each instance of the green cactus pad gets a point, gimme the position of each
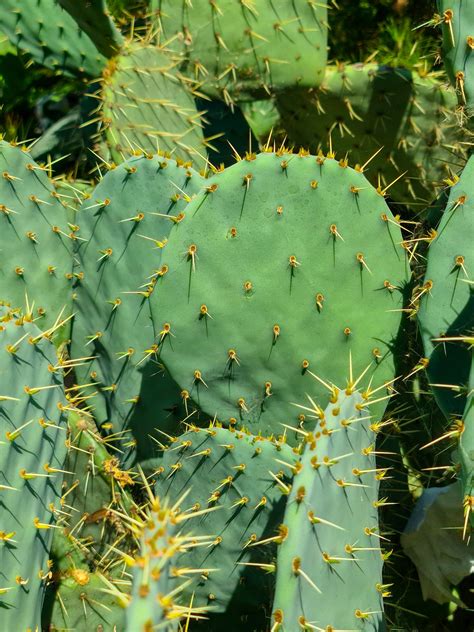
(51, 36)
(238, 49)
(458, 48)
(245, 478)
(83, 600)
(35, 239)
(32, 452)
(283, 265)
(95, 485)
(148, 106)
(125, 224)
(329, 564)
(156, 600)
(367, 108)
(94, 19)
(446, 298)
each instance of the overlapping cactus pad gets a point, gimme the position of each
(402, 121)
(236, 315)
(125, 223)
(283, 265)
(51, 36)
(148, 106)
(242, 48)
(35, 239)
(457, 18)
(446, 298)
(32, 453)
(242, 479)
(329, 559)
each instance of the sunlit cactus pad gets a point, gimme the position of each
(283, 265)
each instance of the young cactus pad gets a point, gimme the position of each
(32, 453)
(458, 48)
(35, 239)
(446, 298)
(245, 479)
(329, 564)
(148, 106)
(51, 36)
(282, 265)
(249, 47)
(159, 579)
(403, 117)
(125, 224)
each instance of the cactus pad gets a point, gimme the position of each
(35, 239)
(244, 478)
(329, 565)
(94, 19)
(51, 36)
(283, 265)
(446, 298)
(458, 49)
(250, 47)
(365, 109)
(125, 223)
(32, 453)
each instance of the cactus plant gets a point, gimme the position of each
(203, 311)
(32, 451)
(247, 48)
(457, 19)
(35, 240)
(445, 299)
(275, 255)
(125, 224)
(405, 116)
(329, 565)
(51, 36)
(148, 106)
(244, 478)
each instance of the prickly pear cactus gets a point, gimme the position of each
(263, 118)
(148, 106)
(244, 478)
(403, 121)
(95, 485)
(156, 600)
(32, 452)
(51, 36)
(35, 240)
(125, 224)
(458, 48)
(446, 298)
(83, 599)
(329, 565)
(283, 264)
(93, 18)
(245, 48)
